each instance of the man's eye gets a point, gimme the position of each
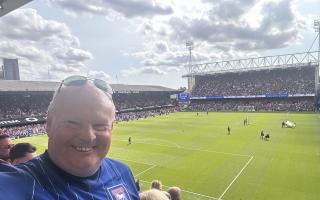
(73, 124)
(100, 127)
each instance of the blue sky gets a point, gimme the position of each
(143, 41)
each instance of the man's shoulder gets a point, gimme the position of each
(8, 168)
(115, 163)
(117, 167)
(32, 165)
(19, 173)
(13, 177)
(21, 168)
(3, 161)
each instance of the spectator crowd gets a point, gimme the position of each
(24, 131)
(129, 116)
(289, 81)
(275, 81)
(21, 105)
(29, 130)
(141, 99)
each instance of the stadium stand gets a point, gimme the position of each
(141, 99)
(24, 104)
(36, 125)
(31, 98)
(281, 89)
(276, 81)
(136, 115)
(24, 131)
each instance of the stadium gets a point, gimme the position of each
(206, 140)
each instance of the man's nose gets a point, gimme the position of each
(87, 133)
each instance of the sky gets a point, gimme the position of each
(143, 42)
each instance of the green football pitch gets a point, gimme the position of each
(195, 153)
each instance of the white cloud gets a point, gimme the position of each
(41, 45)
(99, 75)
(220, 29)
(64, 68)
(135, 8)
(15, 49)
(143, 70)
(152, 70)
(224, 29)
(312, 1)
(174, 69)
(161, 47)
(28, 25)
(72, 55)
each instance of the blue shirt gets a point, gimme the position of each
(41, 179)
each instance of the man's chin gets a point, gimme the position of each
(87, 167)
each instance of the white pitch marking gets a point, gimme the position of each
(145, 170)
(235, 178)
(133, 161)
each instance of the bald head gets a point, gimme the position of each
(79, 127)
(82, 96)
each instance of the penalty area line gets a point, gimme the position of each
(146, 170)
(235, 178)
(132, 161)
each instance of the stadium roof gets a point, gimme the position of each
(49, 86)
(7, 6)
(258, 63)
(140, 88)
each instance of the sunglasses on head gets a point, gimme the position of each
(81, 80)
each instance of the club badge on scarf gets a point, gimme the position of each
(119, 192)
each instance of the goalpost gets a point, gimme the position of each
(246, 108)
